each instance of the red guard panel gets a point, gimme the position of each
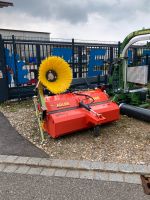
(64, 116)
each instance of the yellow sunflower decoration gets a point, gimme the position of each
(55, 74)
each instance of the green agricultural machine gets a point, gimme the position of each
(129, 84)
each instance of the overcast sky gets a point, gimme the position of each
(104, 20)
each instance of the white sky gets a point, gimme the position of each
(104, 20)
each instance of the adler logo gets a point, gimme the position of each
(63, 104)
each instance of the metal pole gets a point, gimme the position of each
(38, 55)
(3, 73)
(74, 75)
(119, 45)
(15, 60)
(80, 60)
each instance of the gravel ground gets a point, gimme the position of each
(125, 141)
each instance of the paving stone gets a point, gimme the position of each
(60, 172)
(132, 178)
(2, 166)
(33, 161)
(57, 163)
(125, 167)
(86, 174)
(22, 169)
(45, 162)
(70, 163)
(10, 168)
(21, 160)
(72, 174)
(97, 165)
(3, 157)
(117, 177)
(48, 172)
(141, 169)
(85, 164)
(101, 176)
(10, 159)
(35, 170)
(111, 166)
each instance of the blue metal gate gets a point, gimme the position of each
(20, 59)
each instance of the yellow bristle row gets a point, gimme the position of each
(63, 71)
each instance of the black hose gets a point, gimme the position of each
(135, 112)
(85, 95)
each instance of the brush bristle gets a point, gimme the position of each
(63, 71)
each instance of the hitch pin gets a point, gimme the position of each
(95, 113)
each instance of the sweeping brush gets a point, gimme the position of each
(55, 74)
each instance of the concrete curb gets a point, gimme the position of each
(118, 172)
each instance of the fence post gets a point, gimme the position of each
(3, 73)
(38, 57)
(135, 57)
(73, 66)
(111, 55)
(80, 60)
(119, 45)
(38, 54)
(15, 60)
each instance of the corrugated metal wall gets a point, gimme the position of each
(24, 34)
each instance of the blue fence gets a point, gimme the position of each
(20, 60)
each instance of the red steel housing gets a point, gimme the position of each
(64, 115)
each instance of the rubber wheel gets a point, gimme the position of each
(96, 131)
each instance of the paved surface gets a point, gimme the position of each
(11, 143)
(29, 187)
(41, 178)
(74, 168)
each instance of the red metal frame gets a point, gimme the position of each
(64, 115)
